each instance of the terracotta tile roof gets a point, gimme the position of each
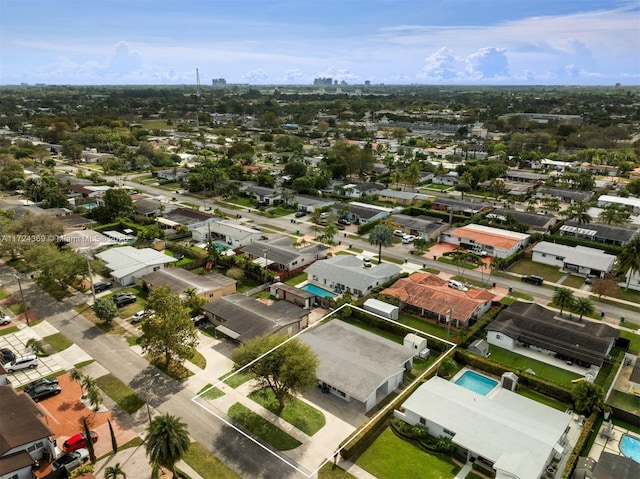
(488, 237)
(429, 292)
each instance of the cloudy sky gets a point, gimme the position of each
(582, 42)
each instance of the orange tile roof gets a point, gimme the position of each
(485, 237)
(431, 293)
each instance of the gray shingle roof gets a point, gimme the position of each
(530, 219)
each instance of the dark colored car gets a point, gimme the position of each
(300, 214)
(44, 391)
(78, 441)
(533, 279)
(71, 461)
(6, 355)
(344, 221)
(40, 382)
(124, 300)
(101, 286)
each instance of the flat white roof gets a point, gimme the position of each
(496, 231)
(516, 433)
(635, 202)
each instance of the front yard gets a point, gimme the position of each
(390, 457)
(525, 267)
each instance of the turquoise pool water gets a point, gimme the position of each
(313, 289)
(630, 447)
(476, 382)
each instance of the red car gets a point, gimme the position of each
(78, 441)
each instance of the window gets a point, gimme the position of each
(449, 433)
(423, 421)
(498, 336)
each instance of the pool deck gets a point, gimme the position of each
(609, 442)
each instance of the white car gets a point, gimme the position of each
(398, 233)
(138, 316)
(406, 239)
(5, 320)
(23, 362)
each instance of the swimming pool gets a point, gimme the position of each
(313, 289)
(630, 447)
(476, 382)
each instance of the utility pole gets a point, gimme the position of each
(449, 313)
(24, 305)
(93, 289)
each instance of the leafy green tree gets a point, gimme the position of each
(587, 398)
(447, 367)
(578, 212)
(286, 368)
(583, 306)
(329, 233)
(614, 214)
(420, 245)
(167, 442)
(604, 287)
(169, 332)
(117, 203)
(563, 298)
(380, 236)
(105, 309)
(629, 259)
(412, 174)
(56, 269)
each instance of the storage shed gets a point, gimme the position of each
(381, 308)
(415, 342)
(480, 346)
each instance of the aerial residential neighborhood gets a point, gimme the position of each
(328, 277)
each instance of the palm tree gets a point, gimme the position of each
(76, 376)
(167, 441)
(329, 233)
(114, 472)
(578, 212)
(412, 174)
(563, 298)
(587, 397)
(613, 214)
(629, 259)
(380, 236)
(583, 306)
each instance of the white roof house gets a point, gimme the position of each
(580, 259)
(346, 273)
(606, 200)
(517, 435)
(87, 240)
(233, 234)
(127, 263)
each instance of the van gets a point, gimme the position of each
(533, 279)
(457, 285)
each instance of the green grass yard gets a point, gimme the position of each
(521, 363)
(207, 465)
(525, 267)
(237, 379)
(58, 341)
(390, 457)
(624, 401)
(122, 394)
(209, 392)
(296, 412)
(262, 428)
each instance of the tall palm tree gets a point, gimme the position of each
(380, 236)
(114, 472)
(587, 397)
(629, 259)
(167, 441)
(412, 174)
(583, 306)
(563, 298)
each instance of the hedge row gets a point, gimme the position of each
(472, 332)
(571, 241)
(580, 445)
(531, 381)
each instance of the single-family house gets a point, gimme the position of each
(187, 217)
(459, 207)
(477, 238)
(267, 196)
(632, 280)
(347, 274)
(631, 202)
(75, 221)
(294, 295)
(600, 233)
(511, 434)
(173, 174)
(127, 263)
(523, 176)
(608, 466)
(282, 255)
(240, 318)
(575, 259)
(309, 204)
(450, 179)
(180, 281)
(428, 295)
(358, 190)
(232, 233)
(88, 191)
(529, 325)
(535, 222)
(86, 241)
(563, 194)
(427, 227)
(24, 437)
(356, 365)
(148, 207)
(361, 213)
(405, 198)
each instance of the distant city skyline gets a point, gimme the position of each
(440, 42)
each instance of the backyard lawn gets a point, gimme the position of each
(428, 327)
(634, 347)
(390, 457)
(297, 279)
(525, 266)
(296, 412)
(521, 363)
(625, 401)
(546, 400)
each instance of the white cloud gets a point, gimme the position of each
(440, 65)
(488, 63)
(257, 75)
(123, 60)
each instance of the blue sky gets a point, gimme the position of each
(581, 42)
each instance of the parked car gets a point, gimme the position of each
(344, 221)
(124, 300)
(406, 239)
(78, 441)
(300, 214)
(5, 320)
(71, 461)
(23, 362)
(101, 286)
(43, 391)
(366, 262)
(457, 285)
(398, 233)
(118, 296)
(40, 382)
(136, 318)
(533, 279)
(6, 355)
